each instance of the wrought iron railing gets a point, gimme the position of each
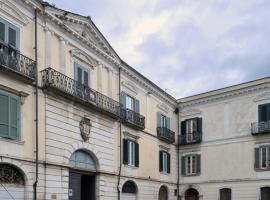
(190, 138)
(57, 80)
(133, 118)
(11, 59)
(165, 134)
(260, 127)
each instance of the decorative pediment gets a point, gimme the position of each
(190, 112)
(83, 57)
(12, 11)
(130, 86)
(163, 107)
(264, 96)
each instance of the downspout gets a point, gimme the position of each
(36, 150)
(178, 155)
(120, 137)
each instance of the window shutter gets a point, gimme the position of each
(263, 113)
(168, 121)
(257, 158)
(199, 125)
(79, 74)
(268, 161)
(123, 99)
(14, 118)
(160, 161)
(198, 162)
(168, 163)
(183, 128)
(4, 115)
(183, 165)
(2, 32)
(12, 37)
(136, 154)
(137, 106)
(125, 151)
(86, 78)
(158, 119)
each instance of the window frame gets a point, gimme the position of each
(77, 65)
(225, 189)
(131, 100)
(17, 30)
(131, 153)
(189, 162)
(267, 163)
(163, 120)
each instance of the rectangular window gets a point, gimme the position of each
(163, 121)
(191, 129)
(225, 194)
(9, 33)
(9, 115)
(191, 165)
(164, 162)
(81, 74)
(264, 155)
(264, 112)
(131, 153)
(130, 103)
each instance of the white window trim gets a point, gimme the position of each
(267, 156)
(165, 162)
(85, 68)
(131, 153)
(191, 165)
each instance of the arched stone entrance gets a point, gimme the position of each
(82, 176)
(265, 193)
(129, 191)
(12, 183)
(192, 194)
(163, 193)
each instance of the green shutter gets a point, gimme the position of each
(183, 165)
(4, 115)
(158, 119)
(2, 31)
(123, 98)
(86, 78)
(14, 118)
(168, 122)
(183, 128)
(168, 163)
(264, 114)
(257, 158)
(198, 162)
(137, 154)
(137, 106)
(125, 151)
(160, 161)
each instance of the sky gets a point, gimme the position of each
(186, 47)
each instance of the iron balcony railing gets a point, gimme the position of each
(190, 138)
(12, 60)
(260, 128)
(165, 135)
(54, 79)
(132, 118)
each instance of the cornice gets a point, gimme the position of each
(226, 95)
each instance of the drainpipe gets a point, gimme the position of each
(120, 138)
(178, 154)
(36, 150)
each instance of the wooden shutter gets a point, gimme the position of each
(137, 106)
(183, 165)
(168, 121)
(198, 163)
(183, 128)
(158, 119)
(86, 78)
(160, 161)
(12, 37)
(123, 99)
(14, 118)
(199, 125)
(257, 158)
(2, 31)
(125, 151)
(4, 115)
(137, 154)
(168, 163)
(263, 113)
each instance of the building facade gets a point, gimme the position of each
(77, 122)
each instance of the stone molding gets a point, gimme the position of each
(190, 112)
(262, 97)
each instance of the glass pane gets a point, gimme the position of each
(2, 31)
(264, 157)
(86, 78)
(12, 37)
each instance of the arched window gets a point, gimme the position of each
(163, 193)
(129, 187)
(10, 175)
(192, 194)
(83, 160)
(265, 193)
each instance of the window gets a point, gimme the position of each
(265, 193)
(191, 130)
(9, 34)
(163, 121)
(129, 187)
(225, 194)
(130, 103)
(83, 160)
(10, 116)
(264, 112)
(191, 165)
(81, 74)
(131, 153)
(262, 157)
(164, 162)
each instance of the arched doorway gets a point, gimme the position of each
(11, 182)
(265, 193)
(192, 194)
(82, 176)
(129, 191)
(163, 193)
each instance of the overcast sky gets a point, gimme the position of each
(185, 46)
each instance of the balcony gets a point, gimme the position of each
(190, 138)
(133, 119)
(165, 135)
(258, 128)
(55, 81)
(14, 63)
